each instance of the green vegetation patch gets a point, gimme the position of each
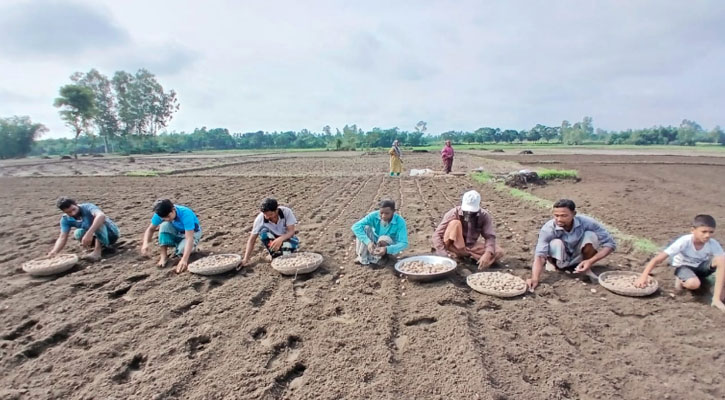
(144, 172)
(549, 174)
(482, 177)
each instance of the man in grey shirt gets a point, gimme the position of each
(570, 241)
(275, 226)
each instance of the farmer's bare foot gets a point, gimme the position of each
(92, 257)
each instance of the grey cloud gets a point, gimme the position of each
(9, 96)
(56, 28)
(166, 59)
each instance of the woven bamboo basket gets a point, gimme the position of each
(486, 288)
(605, 279)
(308, 262)
(45, 266)
(216, 264)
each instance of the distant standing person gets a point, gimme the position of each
(396, 160)
(447, 156)
(178, 228)
(276, 227)
(93, 228)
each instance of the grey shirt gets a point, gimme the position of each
(571, 239)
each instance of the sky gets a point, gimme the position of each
(458, 65)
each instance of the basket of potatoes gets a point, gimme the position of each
(216, 264)
(45, 266)
(297, 263)
(622, 282)
(498, 284)
(425, 268)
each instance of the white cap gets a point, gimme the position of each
(471, 201)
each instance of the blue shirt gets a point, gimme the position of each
(396, 229)
(87, 213)
(571, 239)
(185, 219)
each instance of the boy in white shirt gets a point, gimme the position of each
(694, 256)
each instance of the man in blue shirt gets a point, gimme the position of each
(570, 241)
(380, 233)
(178, 228)
(92, 227)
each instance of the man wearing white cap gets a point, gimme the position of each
(457, 234)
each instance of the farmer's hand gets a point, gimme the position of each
(532, 284)
(371, 248)
(641, 282)
(380, 251)
(145, 249)
(87, 239)
(52, 253)
(583, 266)
(485, 261)
(276, 244)
(181, 266)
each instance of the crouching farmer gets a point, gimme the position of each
(92, 227)
(380, 233)
(178, 228)
(276, 227)
(458, 232)
(694, 257)
(570, 241)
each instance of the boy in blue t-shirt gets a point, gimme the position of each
(178, 228)
(92, 227)
(694, 257)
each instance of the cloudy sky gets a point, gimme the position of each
(459, 65)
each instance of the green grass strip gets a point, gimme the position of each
(548, 174)
(482, 177)
(142, 172)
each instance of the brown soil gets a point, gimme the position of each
(654, 197)
(122, 328)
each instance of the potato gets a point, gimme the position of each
(422, 268)
(213, 261)
(50, 261)
(627, 281)
(498, 281)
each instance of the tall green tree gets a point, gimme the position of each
(687, 132)
(421, 127)
(106, 119)
(17, 135)
(78, 108)
(718, 135)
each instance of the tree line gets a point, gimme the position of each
(128, 113)
(351, 137)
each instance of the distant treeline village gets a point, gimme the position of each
(129, 113)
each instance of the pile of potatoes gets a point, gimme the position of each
(213, 261)
(498, 281)
(49, 262)
(295, 261)
(627, 281)
(421, 268)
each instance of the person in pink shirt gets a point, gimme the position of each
(447, 156)
(457, 234)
